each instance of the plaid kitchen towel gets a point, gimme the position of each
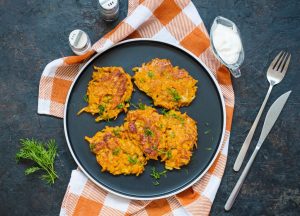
(174, 21)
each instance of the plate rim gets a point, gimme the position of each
(219, 145)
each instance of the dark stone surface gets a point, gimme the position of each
(34, 32)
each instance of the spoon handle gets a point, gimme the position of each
(240, 158)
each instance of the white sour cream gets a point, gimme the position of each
(227, 43)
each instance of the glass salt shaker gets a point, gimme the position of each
(227, 45)
(109, 9)
(79, 41)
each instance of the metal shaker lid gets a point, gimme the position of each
(78, 39)
(108, 4)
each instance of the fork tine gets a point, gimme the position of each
(279, 62)
(282, 63)
(275, 60)
(286, 65)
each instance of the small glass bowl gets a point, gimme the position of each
(234, 68)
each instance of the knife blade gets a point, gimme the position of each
(270, 120)
(272, 116)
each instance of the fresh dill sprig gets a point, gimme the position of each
(43, 154)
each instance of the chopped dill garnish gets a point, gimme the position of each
(169, 154)
(120, 106)
(141, 106)
(132, 160)
(186, 171)
(154, 148)
(132, 104)
(92, 146)
(207, 131)
(116, 151)
(148, 132)
(127, 100)
(161, 151)
(174, 93)
(101, 109)
(86, 98)
(163, 173)
(164, 112)
(176, 117)
(116, 132)
(155, 183)
(150, 74)
(156, 175)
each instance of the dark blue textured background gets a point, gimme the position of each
(34, 32)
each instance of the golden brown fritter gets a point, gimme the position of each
(108, 92)
(116, 153)
(143, 125)
(169, 87)
(180, 137)
(145, 135)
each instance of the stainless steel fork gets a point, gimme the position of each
(275, 74)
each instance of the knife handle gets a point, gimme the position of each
(240, 182)
(240, 158)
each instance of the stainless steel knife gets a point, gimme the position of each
(270, 120)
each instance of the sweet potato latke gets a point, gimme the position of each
(145, 135)
(116, 153)
(108, 92)
(169, 87)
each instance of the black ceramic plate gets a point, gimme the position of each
(207, 109)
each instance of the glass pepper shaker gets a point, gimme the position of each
(109, 9)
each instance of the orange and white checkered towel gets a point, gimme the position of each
(175, 21)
